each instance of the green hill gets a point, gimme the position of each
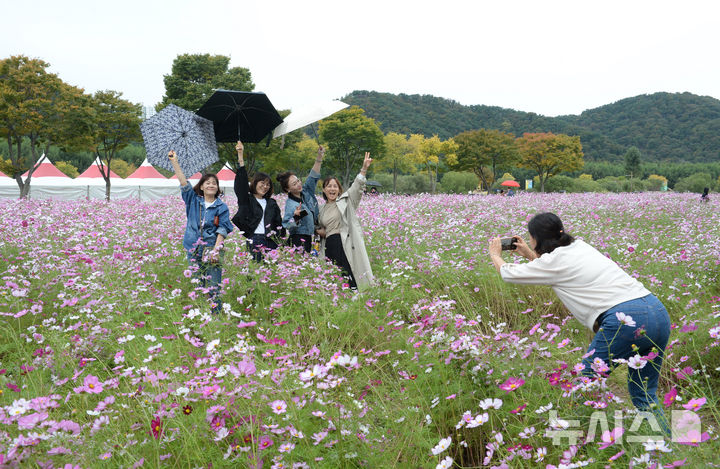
(677, 127)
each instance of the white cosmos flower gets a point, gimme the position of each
(486, 404)
(636, 362)
(625, 319)
(442, 445)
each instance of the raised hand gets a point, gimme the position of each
(366, 162)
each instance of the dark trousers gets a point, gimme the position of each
(210, 276)
(258, 245)
(335, 252)
(297, 240)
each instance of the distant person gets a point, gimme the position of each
(705, 197)
(502, 192)
(629, 322)
(510, 193)
(258, 216)
(301, 209)
(208, 224)
(340, 229)
(374, 191)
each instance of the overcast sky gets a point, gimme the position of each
(548, 57)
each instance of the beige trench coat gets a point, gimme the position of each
(351, 233)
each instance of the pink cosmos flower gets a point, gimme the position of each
(610, 437)
(91, 385)
(26, 422)
(695, 404)
(511, 384)
(278, 406)
(286, 447)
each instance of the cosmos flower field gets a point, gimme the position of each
(110, 356)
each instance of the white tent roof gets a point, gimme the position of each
(146, 175)
(92, 176)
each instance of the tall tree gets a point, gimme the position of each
(116, 125)
(194, 76)
(482, 150)
(632, 162)
(39, 108)
(549, 154)
(349, 134)
(191, 82)
(429, 154)
(397, 156)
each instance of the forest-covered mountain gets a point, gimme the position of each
(673, 127)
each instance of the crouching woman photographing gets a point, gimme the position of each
(629, 322)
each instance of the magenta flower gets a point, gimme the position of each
(670, 397)
(512, 384)
(265, 442)
(156, 427)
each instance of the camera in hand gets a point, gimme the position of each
(508, 244)
(303, 213)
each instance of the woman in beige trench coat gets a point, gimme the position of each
(339, 227)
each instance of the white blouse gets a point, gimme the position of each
(587, 282)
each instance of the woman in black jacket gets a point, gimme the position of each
(258, 216)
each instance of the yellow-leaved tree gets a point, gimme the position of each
(549, 154)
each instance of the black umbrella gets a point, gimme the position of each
(240, 115)
(190, 135)
(373, 184)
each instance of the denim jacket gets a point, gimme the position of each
(306, 225)
(198, 216)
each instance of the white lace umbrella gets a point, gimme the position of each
(307, 115)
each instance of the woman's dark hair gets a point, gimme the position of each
(327, 181)
(261, 177)
(284, 179)
(205, 177)
(548, 232)
(706, 190)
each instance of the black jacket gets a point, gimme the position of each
(250, 212)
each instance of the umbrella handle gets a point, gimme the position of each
(317, 139)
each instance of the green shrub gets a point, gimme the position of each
(694, 183)
(454, 182)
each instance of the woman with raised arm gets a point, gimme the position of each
(339, 227)
(301, 209)
(208, 224)
(258, 216)
(631, 325)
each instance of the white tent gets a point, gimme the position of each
(146, 183)
(46, 182)
(49, 182)
(94, 183)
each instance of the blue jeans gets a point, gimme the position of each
(259, 244)
(210, 276)
(615, 340)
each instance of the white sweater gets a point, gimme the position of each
(587, 282)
